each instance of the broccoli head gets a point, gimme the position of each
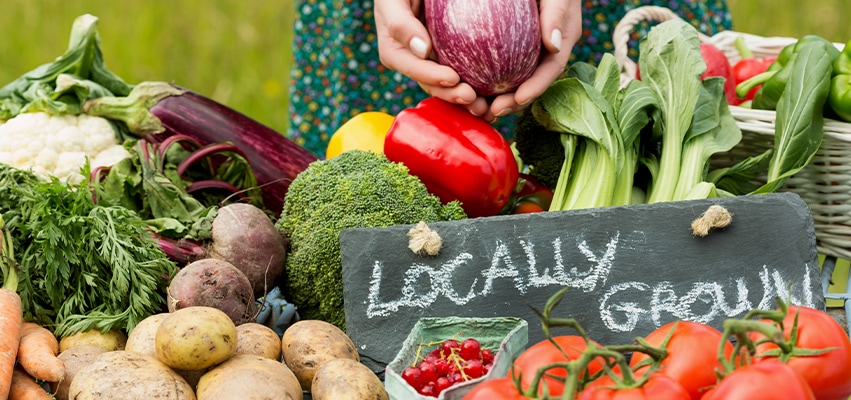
(356, 189)
(539, 149)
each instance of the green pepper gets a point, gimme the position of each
(774, 79)
(839, 98)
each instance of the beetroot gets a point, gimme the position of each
(493, 45)
(245, 236)
(213, 283)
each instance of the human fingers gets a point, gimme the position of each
(561, 26)
(459, 94)
(404, 44)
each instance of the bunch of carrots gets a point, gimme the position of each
(28, 351)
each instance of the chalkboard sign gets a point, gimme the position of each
(629, 269)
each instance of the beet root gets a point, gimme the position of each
(246, 237)
(213, 283)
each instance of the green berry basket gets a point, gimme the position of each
(505, 336)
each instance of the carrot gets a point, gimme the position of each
(11, 313)
(24, 387)
(37, 353)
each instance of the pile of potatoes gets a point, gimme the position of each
(199, 353)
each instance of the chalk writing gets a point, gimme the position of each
(621, 305)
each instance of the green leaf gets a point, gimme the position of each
(713, 130)
(671, 64)
(799, 125)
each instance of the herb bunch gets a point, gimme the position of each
(82, 265)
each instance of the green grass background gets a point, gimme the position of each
(238, 51)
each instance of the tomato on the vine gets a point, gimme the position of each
(657, 386)
(692, 354)
(769, 379)
(495, 389)
(829, 373)
(545, 353)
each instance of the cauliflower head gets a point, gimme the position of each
(58, 145)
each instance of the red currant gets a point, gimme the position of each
(487, 356)
(428, 390)
(473, 369)
(412, 376)
(449, 346)
(471, 349)
(442, 384)
(428, 373)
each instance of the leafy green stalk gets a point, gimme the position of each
(713, 130)
(799, 127)
(37, 90)
(633, 109)
(571, 106)
(671, 64)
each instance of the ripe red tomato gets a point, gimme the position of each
(658, 386)
(692, 354)
(545, 353)
(828, 374)
(495, 389)
(763, 380)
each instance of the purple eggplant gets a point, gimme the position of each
(493, 45)
(157, 110)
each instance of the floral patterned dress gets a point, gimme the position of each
(336, 72)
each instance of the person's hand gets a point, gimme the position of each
(404, 45)
(561, 26)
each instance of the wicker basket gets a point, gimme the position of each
(825, 185)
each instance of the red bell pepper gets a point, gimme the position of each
(457, 155)
(749, 66)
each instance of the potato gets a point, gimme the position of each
(111, 340)
(128, 375)
(249, 377)
(259, 339)
(74, 359)
(195, 338)
(142, 339)
(346, 379)
(309, 343)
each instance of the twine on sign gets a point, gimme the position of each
(423, 240)
(714, 217)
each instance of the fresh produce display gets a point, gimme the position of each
(494, 47)
(143, 225)
(458, 156)
(357, 189)
(447, 363)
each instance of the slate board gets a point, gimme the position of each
(629, 269)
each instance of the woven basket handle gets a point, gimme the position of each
(620, 37)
